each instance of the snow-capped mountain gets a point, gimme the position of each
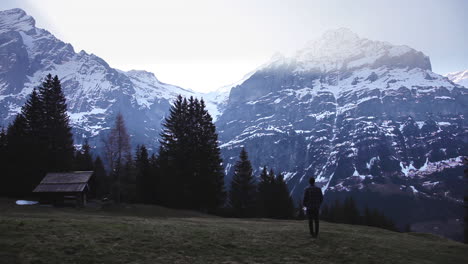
(460, 77)
(364, 117)
(95, 91)
(361, 116)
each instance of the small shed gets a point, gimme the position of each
(58, 187)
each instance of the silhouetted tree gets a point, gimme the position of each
(173, 153)
(265, 194)
(189, 162)
(155, 181)
(83, 158)
(102, 183)
(143, 175)
(4, 177)
(348, 213)
(27, 145)
(129, 181)
(243, 189)
(324, 213)
(19, 179)
(284, 203)
(117, 150)
(59, 139)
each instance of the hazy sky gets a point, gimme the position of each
(205, 44)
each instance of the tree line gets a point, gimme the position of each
(268, 198)
(347, 212)
(186, 172)
(38, 140)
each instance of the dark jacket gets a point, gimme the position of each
(313, 197)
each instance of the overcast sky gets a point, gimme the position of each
(205, 44)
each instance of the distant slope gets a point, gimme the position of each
(460, 77)
(80, 237)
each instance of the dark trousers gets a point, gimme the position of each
(313, 215)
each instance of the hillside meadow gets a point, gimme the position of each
(152, 234)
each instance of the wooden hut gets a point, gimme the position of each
(59, 187)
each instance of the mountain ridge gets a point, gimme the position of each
(95, 91)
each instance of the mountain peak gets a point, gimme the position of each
(342, 49)
(340, 34)
(142, 74)
(16, 20)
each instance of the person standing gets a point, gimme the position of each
(313, 198)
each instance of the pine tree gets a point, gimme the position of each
(243, 189)
(209, 187)
(128, 181)
(33, 112)
(155, 181)
(117, 150)
(143, 174)
(350, 211)
(17, 173)
(4, 177)
(265, 196)
(173, 155)
(40, 137)
(83, 158)
(58, 136)
(336, 212)
(367, 218)
(284, 202)
(27, 137)
(87, 158)
(189, 161)
(101, 181)
(325, 213)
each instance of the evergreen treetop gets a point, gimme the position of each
(242, 196)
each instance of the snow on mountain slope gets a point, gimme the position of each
(219, 98)
(95, 92)
(460, 77)
(362, 116)
(342, 49)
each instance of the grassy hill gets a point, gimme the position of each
(151, 234)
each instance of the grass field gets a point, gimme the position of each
(151, 234)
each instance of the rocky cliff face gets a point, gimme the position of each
(95, 92)
(363, 117)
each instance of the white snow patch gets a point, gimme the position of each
(407, 170)
(289, 175)
(25, 202)
(414, 189)
(324, 188)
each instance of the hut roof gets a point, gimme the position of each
(74, 181)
